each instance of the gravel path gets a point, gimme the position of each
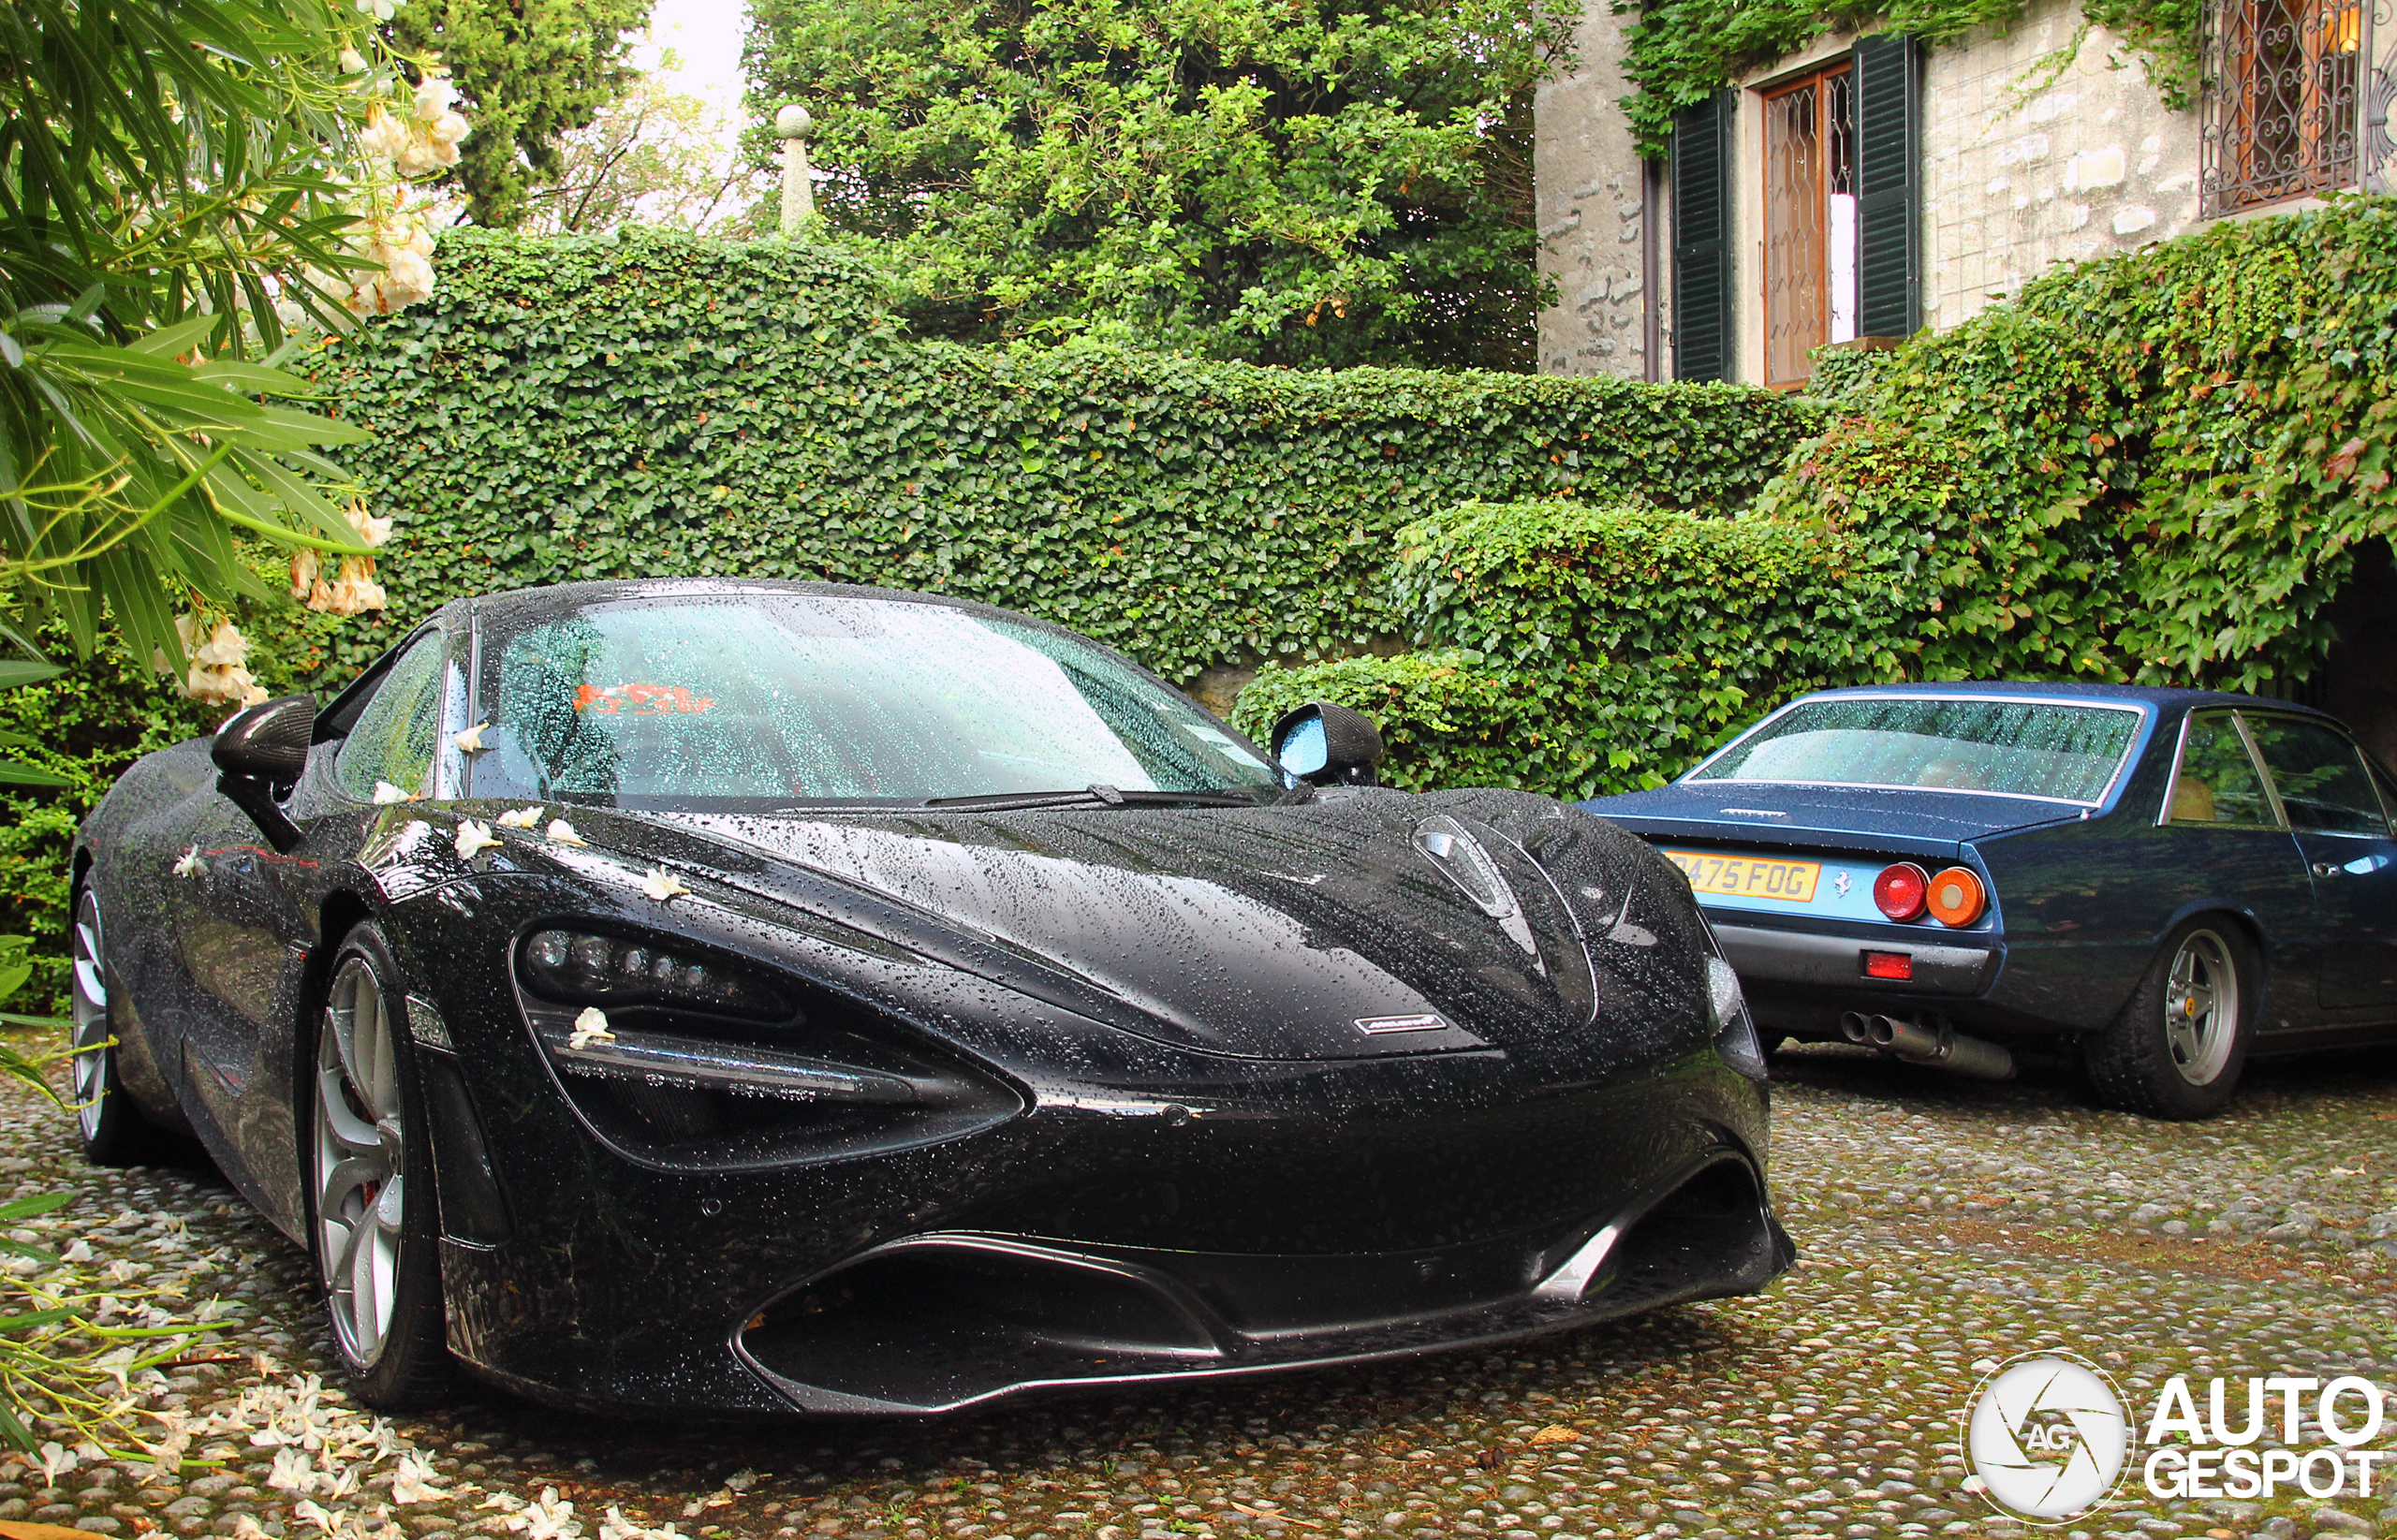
(1943, 1225)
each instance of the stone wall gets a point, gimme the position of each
(1588, 205)
(2033, 157)
(2034, 152)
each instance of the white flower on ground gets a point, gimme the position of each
(314, 1515)
(188, 864)
(293, 1471)
(589, 1028)
(563, 833)
(663, 885)
(56, 1460)
(471, 740)
(617, 1527)
(413, 1481)
(79, 1252)
(387, 794)
(474, 835)
(524, 817)
(546, 1518)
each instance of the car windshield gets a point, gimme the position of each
(2013, 748)
(748, 701)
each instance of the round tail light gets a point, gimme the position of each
(1900, 891)
(1957, 897)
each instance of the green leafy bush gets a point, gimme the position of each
(581, 407)
(1588, 649)
(2154, 468)
(1449, 717)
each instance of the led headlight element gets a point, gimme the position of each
(585, 967)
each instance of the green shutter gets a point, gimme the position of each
(1701, 171)
(1888, 186)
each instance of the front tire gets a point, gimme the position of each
(373, 1223)
(2178, 1048)
(113, 1131)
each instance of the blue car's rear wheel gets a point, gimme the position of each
(370, 1195)
(2179, 1047)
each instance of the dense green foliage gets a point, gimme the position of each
(599, 407)
(531, 72)
(1333, 182)
(1683, 52)
(168, 172)
(2154, 467)
(1585, 648)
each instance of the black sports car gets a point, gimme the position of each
(2157, 882)
(739, 996)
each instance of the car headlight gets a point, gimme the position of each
(1726, 1013)
(586, 968)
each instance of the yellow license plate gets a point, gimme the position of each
(1749, 876)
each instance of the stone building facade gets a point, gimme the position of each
(2017, 148)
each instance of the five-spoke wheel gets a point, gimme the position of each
(113, 1130)
(2177, 1049)
(374, 1230)
(361, 1159)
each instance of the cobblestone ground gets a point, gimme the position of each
(1943, 1225)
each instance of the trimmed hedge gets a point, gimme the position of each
(1587, 649)
(580, 407)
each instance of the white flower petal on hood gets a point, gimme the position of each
(563, 832)
(474, 835)
(589, 1028)
(387, 794)
(524, 817)
(662, 884)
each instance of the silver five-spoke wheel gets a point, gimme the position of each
(360, 1159)
(2200, 1007)
(90, 1006)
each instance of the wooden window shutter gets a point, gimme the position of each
(1888, 186)
(1701, 171)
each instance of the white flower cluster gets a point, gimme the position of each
(402, 141)
(216, 654)
(353, 589)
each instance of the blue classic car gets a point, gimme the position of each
(2160, 883)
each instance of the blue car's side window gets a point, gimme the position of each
(2217, 780)
(2319, 775)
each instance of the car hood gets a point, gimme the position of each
(1304, 932)
(1914, 822)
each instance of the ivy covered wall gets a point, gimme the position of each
(604, 407)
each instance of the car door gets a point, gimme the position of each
(246, 947)
(2327, 796)
(2224, 841)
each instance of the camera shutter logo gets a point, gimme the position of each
(2047, 1436)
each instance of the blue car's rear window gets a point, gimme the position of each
(2014, 748)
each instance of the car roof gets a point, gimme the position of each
(2164, 699)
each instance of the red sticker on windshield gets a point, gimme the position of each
(639, 700)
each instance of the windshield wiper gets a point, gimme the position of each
(1102, 796)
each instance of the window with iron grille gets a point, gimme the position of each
(2281, 105)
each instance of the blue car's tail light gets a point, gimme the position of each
(1901, 890)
